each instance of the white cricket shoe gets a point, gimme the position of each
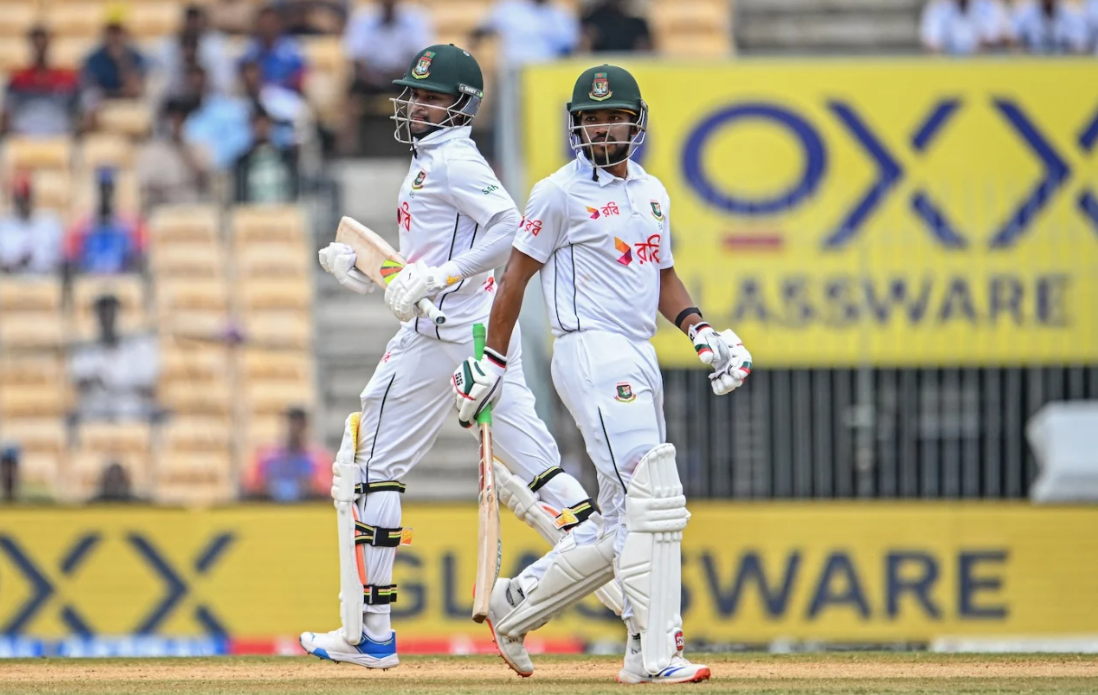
(369, 653)
(680, 670)
(511, 649)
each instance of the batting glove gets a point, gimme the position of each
(339, 260)
(724, 352)
(477, 384)
(408, 287)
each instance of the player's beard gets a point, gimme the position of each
(606, 155)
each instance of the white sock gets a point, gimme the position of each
(378, 627)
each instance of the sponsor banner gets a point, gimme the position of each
(215, 580)
(902, 212)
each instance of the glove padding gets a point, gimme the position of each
(339, 260)
(725, 353)
(477, 384)
(413, 283)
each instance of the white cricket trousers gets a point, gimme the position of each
(613, 387)
(404, 405)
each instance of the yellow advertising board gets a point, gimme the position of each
(752, 572)
(907, 212)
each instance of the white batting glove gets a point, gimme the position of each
(477, 383)
(408, 287)
(339, 260)
(724, 352)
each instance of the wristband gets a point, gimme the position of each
(684, 314)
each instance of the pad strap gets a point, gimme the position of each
(543, 478)
(571, 517)
(375, 595)
(380, 486)
(377, 536)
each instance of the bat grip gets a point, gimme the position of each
(432, 312)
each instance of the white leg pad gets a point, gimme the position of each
(352, 567)
(650, 564)
(528, 508)
(576, 571)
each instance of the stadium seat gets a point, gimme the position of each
(129, 117)
(21, 152)
(29, 295)
(129, 289)
(153, 19)
(196, 434)
(14, 54)
(33, 401)
(275, 365)
(187, 261)
(695, 45)
(106, 150)
(195, 478)
(280, 331)
(53, 190)
(32, 332)
(193, 307)
(113, 437)
(267, 224)
(690, 16)
(19, 17)
(458, 17)
(193, 361)
(85, 19)
(196, 397)
(265, 398)
(127, 193)
(185, 223)
(288, 263)
(266, 294)
(85, 469)
(71, 51)
(30, 370)
(43, 443)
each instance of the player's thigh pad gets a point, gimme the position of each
(575, 569)
(650, 563)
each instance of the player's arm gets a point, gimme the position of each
(724, 351)
(508, 302)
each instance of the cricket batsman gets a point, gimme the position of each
(456, 226)
(599, 230)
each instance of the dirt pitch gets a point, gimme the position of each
(732, 673)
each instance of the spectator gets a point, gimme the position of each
(41, 99)
(218, 124)
(1051, 27)
(530, 31)
(381, 40)
(607, 28)
(114, 485)
(279, 56)
(266, 173)
(9, 472)
(115, 376)
(294, 471)
(964, 27)
(107, 243)
(116, 70)
(289, 112)
(170, 170)
(1092, 23)
(196, 44)
(30, 240)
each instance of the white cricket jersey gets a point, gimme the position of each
(450, 193)
(603, 241)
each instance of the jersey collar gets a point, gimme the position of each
(605, 178)
(445, 135)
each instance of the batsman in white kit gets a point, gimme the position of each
(599, 231)
(456, 225)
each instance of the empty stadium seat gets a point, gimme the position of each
(459, 17)
(276, 397)
(14, 54)
(193, 361)
(30, 314)
(21, 152)
(114, 437)
(193, 307)
(275, 365)
(187, 261)
(197, 224)
(53, 190)
(695, 45)
(29, 295)
(85, 19)
(18, 18)
(153, 19)
(31, 370)
(71, 51)
(288, 263)
(23, 332)
(129, 117)
(270, 294)
(106, 150)
(42, 446)
(267, 224)
(195, 478)
(197, 434)
(129, 289)
(196, 397)
(275, 330)
(689, 16)
(21, 401)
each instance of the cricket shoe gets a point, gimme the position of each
(679, 671)
(511, 649)
(369, 653)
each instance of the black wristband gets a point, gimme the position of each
(684, 313)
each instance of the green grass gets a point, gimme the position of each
(793, 674)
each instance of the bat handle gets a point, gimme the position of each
(433, 312)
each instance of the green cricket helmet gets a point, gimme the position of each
(605, 88)
(445, 69)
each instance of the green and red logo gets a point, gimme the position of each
(418, 182)
(625, 393)
(423, 67)
(600, 87)
(657, 211)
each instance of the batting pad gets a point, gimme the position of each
(517, 497)
(650, 564)
(352, 566)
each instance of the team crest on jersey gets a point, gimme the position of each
(389, 270)
(423, 67)
(600, 87)
(625, 393)
(657, 211)
(417, 184)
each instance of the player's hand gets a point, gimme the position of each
(442, 277)
(477, 383)
(408, 287)
(725, 353)
(339, 260)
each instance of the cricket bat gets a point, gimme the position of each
(379, 261)
(489, 539)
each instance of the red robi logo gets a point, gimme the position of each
(680, 644)
(404, 218)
